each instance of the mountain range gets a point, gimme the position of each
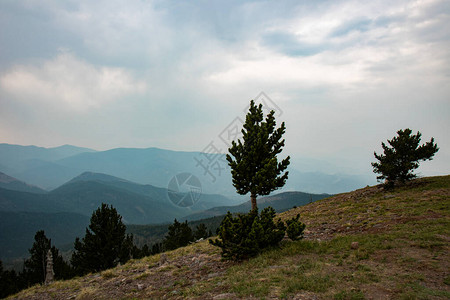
(137, 204)
(48, 168)
(57, 189)
(64, 212)
(12, 183)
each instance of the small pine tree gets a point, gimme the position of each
(105, 243)
(179, 235)
(402, 157)
(145, 251)
(201, 232)
(157, 248)
(295, 228)
(137, 252)
(246, 235)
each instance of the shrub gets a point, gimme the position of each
(401, 157)
(295, 228)
(246, 235)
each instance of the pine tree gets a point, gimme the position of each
(157, 248)
(145, 251)
(402, 157)
(246, 235)
(10, 282)
(201, 232)
(254, 165)
(295, 228)
(179, 235)
(35, 266)
(105, 243)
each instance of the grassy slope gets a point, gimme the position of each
(403, 253)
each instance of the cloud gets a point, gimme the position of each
(70, 83)
(347, 73)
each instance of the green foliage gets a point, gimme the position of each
(179, 235)
(154, 234)
(245, 235)
(295, 228)
(35, 266)
(10, 282)
(351, 295)
(402, 157)
(254, 166)
(201, 232)
(157, 248)
(137, 252)
(105, 243)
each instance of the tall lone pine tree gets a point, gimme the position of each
(399, 160)
(254, 165)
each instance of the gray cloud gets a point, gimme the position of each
(173, 74)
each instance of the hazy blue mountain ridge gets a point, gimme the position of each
(11, 154)
(152, 166)
(11, 183)
(138, 204)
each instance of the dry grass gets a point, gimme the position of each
(403, 253)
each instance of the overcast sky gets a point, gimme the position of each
(345, 75)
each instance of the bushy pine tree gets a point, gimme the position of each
(245, 235)
(179, 235)
(105, 243)
(295, 228)
(402, 157)
(254, 165)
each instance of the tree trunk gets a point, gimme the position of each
(253, 199)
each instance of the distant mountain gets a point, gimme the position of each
(45, 174)
(24, 213)
(153, 166)
(159, 194)
(137, 204)
(280, 202)
(17, 230)
(316, 182)
(11, 154)
(35, 165)
(11, 183)
(52, 167)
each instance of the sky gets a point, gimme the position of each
(343, 75)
